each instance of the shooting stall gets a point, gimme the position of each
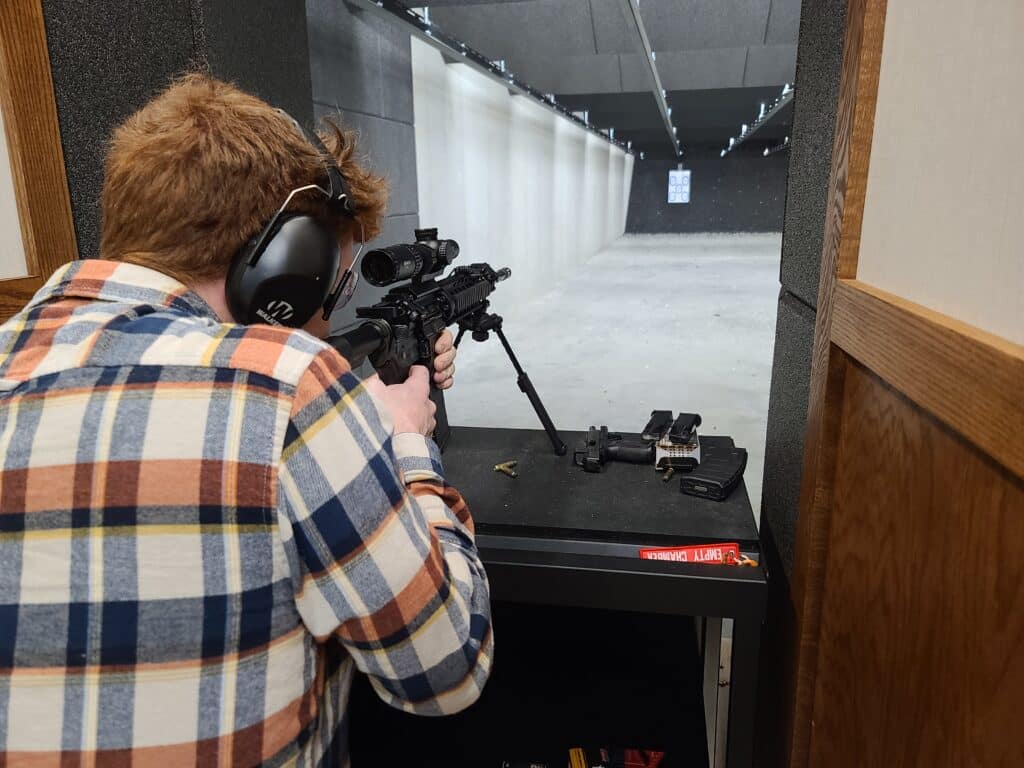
(863, 372)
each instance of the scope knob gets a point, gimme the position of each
(426, 234)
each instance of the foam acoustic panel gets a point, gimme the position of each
(693, 24)
(106, 65)
(109, 59)
(614, 29)
(706, 24)
(783, 22)
(261, 45)
(708, 68)
(743, 192)
(522, 30)
(576, 27)
(570, 47)
(819, 59)
(770, 65)
(787, 422)
(687, 70)
(592, 73)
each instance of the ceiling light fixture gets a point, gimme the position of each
(777, 148)
(765, 113)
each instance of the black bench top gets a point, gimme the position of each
(552, 497)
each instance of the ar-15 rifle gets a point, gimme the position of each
(400, 330)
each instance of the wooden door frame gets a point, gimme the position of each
(930, 358)
(33, 143)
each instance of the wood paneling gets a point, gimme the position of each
(923, 619)
(971, 380)
(847, 181)
(15, 294)
(860, 130)
(908, 584)
(33, 139)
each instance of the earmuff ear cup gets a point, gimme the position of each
(290, 279)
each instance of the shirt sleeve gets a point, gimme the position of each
(381, 548)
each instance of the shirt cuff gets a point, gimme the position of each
(418, 457)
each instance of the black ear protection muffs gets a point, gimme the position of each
(283, 276)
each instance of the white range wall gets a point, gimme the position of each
(942, 214)
(12, 249)
(516, 185)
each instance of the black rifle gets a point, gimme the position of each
(400, 330)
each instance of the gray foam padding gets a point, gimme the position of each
(819, 62)
(262, 46)
(102, 72)
(787, 422)
(770, 65)
(819, 59)
(109, 59)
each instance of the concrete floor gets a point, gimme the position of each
(680, 322)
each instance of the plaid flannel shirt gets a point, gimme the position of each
(204, 530)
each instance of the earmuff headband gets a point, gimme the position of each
(337, 191)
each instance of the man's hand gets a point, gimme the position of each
(444, 360)
(408, 403)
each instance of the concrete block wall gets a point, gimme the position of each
(515, 184)
(361, 72)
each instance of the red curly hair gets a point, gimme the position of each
(199, 170)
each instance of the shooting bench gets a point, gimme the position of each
(556, 535)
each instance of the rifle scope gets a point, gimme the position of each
(417, 261)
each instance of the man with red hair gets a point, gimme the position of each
(206, 528)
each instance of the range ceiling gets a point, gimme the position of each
(716, 113)
(717, 58)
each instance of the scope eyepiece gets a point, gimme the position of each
(427, 257)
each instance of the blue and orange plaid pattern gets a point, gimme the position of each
(205, 529)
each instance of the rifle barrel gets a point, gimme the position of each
(358, 343)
